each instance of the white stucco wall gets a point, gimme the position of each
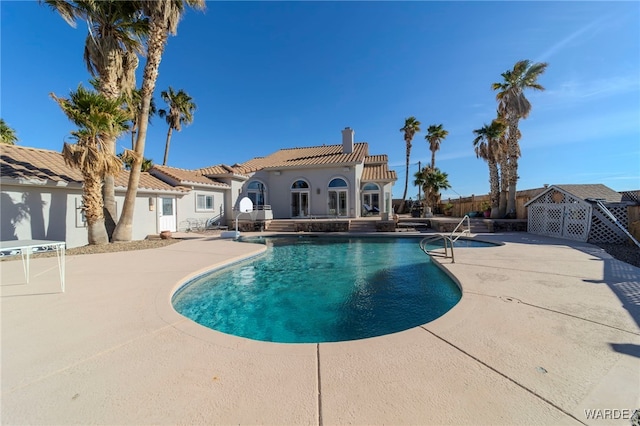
(49, 213)
(187, 207)
(53, 213)
(278, 192)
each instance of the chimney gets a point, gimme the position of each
(347, 140)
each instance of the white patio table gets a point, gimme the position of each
(25, 247)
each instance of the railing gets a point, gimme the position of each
(259, 213)
(464, 231)
(447, 240)
(614, 219)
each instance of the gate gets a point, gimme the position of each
(571, 221)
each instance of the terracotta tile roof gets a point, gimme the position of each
(147, 181)
(35, 164)
(307, 156)
(376, 159)
(220, 169)
(26, 163)
(378, 172)
(188, 177)
(597, 190)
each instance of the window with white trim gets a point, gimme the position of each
(204, 202)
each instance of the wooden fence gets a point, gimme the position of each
(464, 205)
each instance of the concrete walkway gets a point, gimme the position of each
(546, 329)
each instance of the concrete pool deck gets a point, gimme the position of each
(545, 330)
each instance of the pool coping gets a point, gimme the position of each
(543, 331)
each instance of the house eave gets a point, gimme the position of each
(40, 182)
(312, 166)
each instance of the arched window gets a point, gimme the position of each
(256, 192)
(337, 183)
(338, 197)
(300, 195)
(300, 184)
(370, 199)
(371, 187)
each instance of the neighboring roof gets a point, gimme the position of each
(188, 177)
(592, 191)
(307, 156)
(584, 192)
(42, 165)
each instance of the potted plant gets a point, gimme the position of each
(485, 207)
(448, 209)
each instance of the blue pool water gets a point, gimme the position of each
(308, 290)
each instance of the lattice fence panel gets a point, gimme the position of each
(535, 221)
(559, 214)
(603, 229)
(633, 196)
(553, 221)
(577, 221)
(545, 219)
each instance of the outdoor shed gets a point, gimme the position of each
(573, 212)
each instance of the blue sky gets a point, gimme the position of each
(271, 75)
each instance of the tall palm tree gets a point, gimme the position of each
(513, 105)
(99, 120)
(164, 16)
(7, 134)
(115, 33)
(435, 135)
(411, 127)
(181, 109)
(487, 147)
(133, 104)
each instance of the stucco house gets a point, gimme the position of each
(42, 196)
(320, 181)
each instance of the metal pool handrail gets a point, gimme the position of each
(448, 246)
(464, 231)
(448, 240)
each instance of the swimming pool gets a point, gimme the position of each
(322, 289)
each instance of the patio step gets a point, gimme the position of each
(280, 226)
(362, 226)
(478, 226)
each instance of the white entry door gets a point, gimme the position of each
(167, 214)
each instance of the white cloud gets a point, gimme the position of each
(575, 91)
(588, 29)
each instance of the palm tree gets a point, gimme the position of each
(133, 104)
(99, 120)
(434, 180)
(419, 180)
(7, 134)
(513, 105)
(431, 181)
(115, 33)
(411, 127)
(181, 108)
(435, 135)
(487, 147)
(164, 16)
(127, 161)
